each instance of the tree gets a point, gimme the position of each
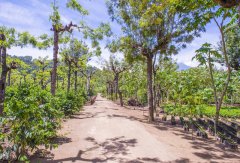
(232, 38)
(68, 60)
(58, 29)
(90, 71)
(9, 38)
(205, 56)
(117, 67)
(227, 3)
(81, 55)
(150, 29)
(41, 65)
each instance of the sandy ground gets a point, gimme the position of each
(106, 132)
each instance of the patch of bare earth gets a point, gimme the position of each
(106, 132)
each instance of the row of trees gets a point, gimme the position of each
(154, 30)
(36, 94)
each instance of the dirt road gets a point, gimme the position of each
(105, 132)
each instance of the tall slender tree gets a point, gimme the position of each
(117, 67)
(151, 27)
(58, 29)
(10, 37)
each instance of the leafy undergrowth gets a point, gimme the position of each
(32, 118)
(199, 110)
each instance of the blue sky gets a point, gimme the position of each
(33, 16)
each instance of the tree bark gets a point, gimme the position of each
(154, 93)
(0, 54)
(34, 79)
(121, 98)
(227, 3)
(63, 83)
(55, 61)
(57, 81)
(229, 71)
(88, 85)
(150, 88)
(3, 74)
(69, 78)
(42, 85)
(20, 82)
(41, 81)
(75, 80)
(116, 80)
(215, 94)
(111, 91)
(9, 78)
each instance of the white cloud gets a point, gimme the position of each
(13, 14)
(210, 36)
(35, 53)
(33, 16)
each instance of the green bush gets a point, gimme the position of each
(200, 110)
(71, 102)
(227, 112)
(33, 116)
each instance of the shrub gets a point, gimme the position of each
(71, 102)
(33, 116)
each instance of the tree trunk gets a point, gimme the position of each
(154, 93)
(55, 61)
(69, 78)
(75, 80)
(57, 81)
(121, 98)
(107, 89)
(158, 95)
(41, 81)
(88, 85)
(223, 93)
(227, 3)
(24, 78)
(0, 54)
(216, 119)
(215, 94)
(150, 88)
(3, 74)
(111, 91)
(136, 93)
(116, 85)
(63, 83)
(9, 77)
(42, 85)
(20, 82)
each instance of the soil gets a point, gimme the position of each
(106, 132)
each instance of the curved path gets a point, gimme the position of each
(105, 132)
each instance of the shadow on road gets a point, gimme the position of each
(86, 115)
(111, 150)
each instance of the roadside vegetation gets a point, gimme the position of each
(36, 94)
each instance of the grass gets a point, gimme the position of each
(226, 111)
(209, 111)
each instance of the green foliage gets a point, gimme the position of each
(33, 116)
(73, 4)
(55, 16)
(71, 102)
(200, 110)
(184, 110)
(226, 111)
(232, 42)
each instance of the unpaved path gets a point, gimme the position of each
(105, 132)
